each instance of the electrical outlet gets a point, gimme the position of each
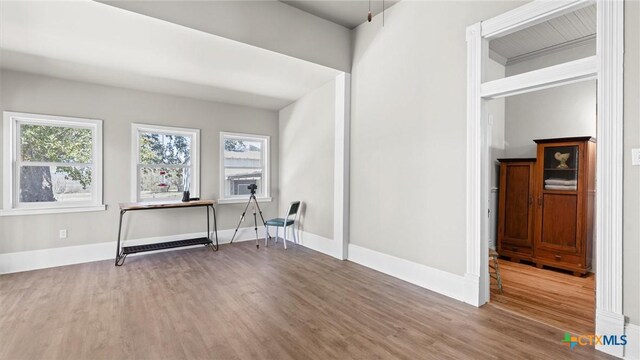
(635, 157)
(63, 234)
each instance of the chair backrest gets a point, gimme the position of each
(293, 208)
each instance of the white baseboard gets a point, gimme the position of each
(46, 258)
(471, 289)
(442, 282)
(318, 243)
(608, 323)
(632, 349)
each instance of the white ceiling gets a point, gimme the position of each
(574, 27)
(348, 13)
(94, 42)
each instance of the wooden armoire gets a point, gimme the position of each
(546, 205)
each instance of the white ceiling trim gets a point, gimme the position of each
(498, 58)
(584, 41)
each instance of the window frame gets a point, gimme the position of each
(136, 129)
(11, 180)
(266, 167)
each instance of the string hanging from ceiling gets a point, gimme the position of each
(370, 16)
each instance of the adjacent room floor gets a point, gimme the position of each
(550, 296)
(247, 303)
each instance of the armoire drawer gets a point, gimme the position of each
(552, 256)
(524, 250)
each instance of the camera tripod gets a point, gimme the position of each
(255, 220)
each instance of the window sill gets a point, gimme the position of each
(60, 210)
(243, 200)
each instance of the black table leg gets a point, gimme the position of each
(210, 244)
(119, 256)
(215, 228)
(215, 225)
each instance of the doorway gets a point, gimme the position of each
(542, 149)
(606, 67)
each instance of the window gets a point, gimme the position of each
(51, 164)
(244, 161)
(165, 162)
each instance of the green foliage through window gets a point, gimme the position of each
(234, 145)
(161, 149)
(53, 144)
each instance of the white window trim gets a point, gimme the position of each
(9, 178)
(136, 128)
(266, 168)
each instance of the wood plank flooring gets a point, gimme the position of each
(552, 297)
(248, 303)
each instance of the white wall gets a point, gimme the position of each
(564, 111)
(118, 108)
(271, 25)
(408, 131)
(496, 116)
(307, 129)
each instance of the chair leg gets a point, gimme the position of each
(266, 236)
(498, 277)
(294, 230)
(284, 236)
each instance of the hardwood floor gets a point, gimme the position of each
(245, 303)
(552, 297)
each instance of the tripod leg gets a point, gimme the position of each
(240, 222)
(261, 217)
(255, 227)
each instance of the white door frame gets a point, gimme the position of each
(607, 67)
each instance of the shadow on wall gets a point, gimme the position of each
(301, 216)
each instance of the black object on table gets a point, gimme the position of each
(122, 252)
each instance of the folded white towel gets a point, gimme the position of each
(561, 182)
(561, 187)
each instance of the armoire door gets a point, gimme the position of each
(559, 217)
(515, 218)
